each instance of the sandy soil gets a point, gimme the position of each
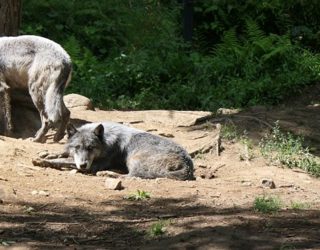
(43, 208)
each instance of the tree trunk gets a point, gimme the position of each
(10, 16)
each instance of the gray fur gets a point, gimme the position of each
(41, 67)
(104, 146)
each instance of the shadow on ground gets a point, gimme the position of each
(299, 116)
(124, 224)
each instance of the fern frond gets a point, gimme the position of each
(229, 43)
(73, 47)
(254, 32)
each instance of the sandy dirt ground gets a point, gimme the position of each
(44, 208)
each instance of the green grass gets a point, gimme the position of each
(229, 132)
(158, 228)
(295, 205)
(288, 150)
(138, 196)
(247, 152)
(267, 205)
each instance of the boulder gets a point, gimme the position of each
(79, 102)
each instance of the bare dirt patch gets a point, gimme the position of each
(43, 208)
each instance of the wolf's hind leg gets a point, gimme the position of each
(54, 104)
(63, 123)
(36, 96)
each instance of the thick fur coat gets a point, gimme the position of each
(105, 146)
(42, 68)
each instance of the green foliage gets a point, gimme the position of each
(267, 205)
(158, 228)
(138, 196)
(229, 131)
(286, 149)
(243, 53)
(299, 205)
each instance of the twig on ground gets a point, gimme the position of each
(59, 163)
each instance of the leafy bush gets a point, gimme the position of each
(130, 54)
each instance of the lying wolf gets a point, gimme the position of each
(96, 147)
(41, 68)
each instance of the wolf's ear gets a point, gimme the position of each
(71, 130)
(99, 131)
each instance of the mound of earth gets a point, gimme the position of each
(43, 208)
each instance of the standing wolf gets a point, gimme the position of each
(41, 67)
(103, 146)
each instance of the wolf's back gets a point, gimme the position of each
(151, 156)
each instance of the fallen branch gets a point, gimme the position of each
(59, 163)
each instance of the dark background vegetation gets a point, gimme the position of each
(130, 54)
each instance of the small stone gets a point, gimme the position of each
(268, 183)
(246, 183)
(44, 193)
(203, 175)
(113, 184)
(210, 176)
(73, 171)
(34, 192)
(43, 154)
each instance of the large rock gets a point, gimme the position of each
(78, 102)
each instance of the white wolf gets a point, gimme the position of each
(103, 146)
(41, 67)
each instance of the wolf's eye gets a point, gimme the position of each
(77, 147)
(89, 148)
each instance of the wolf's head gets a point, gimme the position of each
(85, 144)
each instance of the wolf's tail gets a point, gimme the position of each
(54, 96)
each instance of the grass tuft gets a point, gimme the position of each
(286, 149)
(267, 205)
(158, 228)
(138, 196)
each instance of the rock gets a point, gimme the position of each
(113, 184)
(44, 193)
(41, 192)
(73, 171)
(75, 101)
(268, 183)
(246, 183)
(224, 111)
(210, 175)
(43, 154)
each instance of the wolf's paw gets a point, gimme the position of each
(48, 156)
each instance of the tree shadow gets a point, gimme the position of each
(124, 224)
(256, 122)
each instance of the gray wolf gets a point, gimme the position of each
(41, 68)
(103, 146)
